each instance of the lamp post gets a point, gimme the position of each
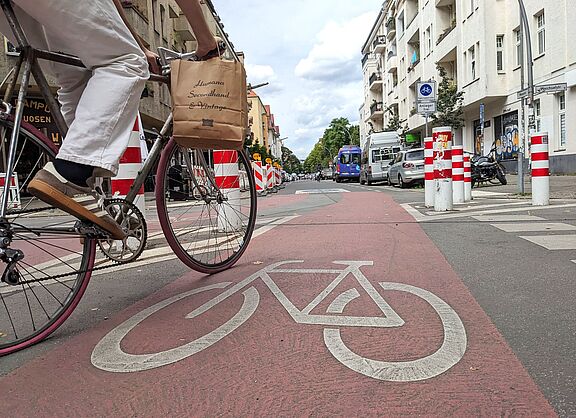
(527, 42)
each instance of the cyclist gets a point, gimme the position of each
(100, 102)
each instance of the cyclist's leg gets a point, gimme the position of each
(107, 107)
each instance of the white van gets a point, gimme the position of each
(380, 149)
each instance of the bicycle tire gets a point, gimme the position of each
(202, 245)
(37, 306)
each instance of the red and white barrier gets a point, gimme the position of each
(13, 191)
(259, 177)
(269, 177)
(429, 172)
(227, 176)
(467, 178)
(278, 176)
(458, 174)
(540, 169)
(130, 166)
(443, 169)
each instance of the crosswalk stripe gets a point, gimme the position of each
(534, 227)
(553, 242)
(507, 218)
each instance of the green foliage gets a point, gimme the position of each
(450, 100)
(338, 134)
(291, 163)
(395, 124)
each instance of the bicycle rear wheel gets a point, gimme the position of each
(207, 211)
(40, 291)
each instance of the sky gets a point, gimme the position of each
(310, 53)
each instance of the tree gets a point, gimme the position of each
(290, 162)
(449, 104)
(338, 134)
(396, 124)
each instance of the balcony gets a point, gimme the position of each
(365, 59)
(446, 32)
(183, 29)
(375, 82)
(390, 28)
(379, 44)
(376, 110)
(392, 62)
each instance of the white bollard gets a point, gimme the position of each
(443, 169)
(227, 176)
(429, 172)
(540, 169)
(458, 174)
(467, 178)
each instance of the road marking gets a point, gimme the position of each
(322, 191)
(480, 193)
(534, 227)
(507, 218)
(450, 215)
(109, 355)
(553, 242)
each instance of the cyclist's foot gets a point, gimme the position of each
(51, 187)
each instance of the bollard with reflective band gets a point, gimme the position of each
(540, 169)
(429, 172)
(443, 169)
(130, 165)
(467, 178)
(13, 190)
(458, 174)
(227, 176)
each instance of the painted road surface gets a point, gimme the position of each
(328, 314)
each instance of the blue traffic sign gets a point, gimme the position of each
(426, 90)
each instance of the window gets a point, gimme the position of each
(538, 114)
(562, 119)
(415, 155)
(518, 54)
(500, 53)
(472, 58)
(540, 24)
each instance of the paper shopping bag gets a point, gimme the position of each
(209, 104)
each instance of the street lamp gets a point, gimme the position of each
(527, 41)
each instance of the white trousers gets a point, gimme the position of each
(99, 102)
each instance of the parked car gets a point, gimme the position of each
(407, 168)
(326, 174)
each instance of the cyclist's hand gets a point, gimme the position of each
(153, 61)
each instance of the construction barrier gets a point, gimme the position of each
(259, 177)
(443, 169)
(458, 174)
(429, 172)
(270, 178)
(467, 178)
(227, 176)
(130, 166)
(540, 169)
(13, 191)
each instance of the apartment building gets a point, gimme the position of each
(263, 129)
(160, 23)
(478, 43)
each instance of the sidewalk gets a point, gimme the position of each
(561, 187)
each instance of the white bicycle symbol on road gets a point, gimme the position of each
(109, 356)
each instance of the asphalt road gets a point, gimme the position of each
(526, 290)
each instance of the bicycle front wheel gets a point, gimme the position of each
(40, 290)
(206, 202)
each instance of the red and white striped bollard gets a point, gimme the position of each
(540, 169)
(429, 172)
(443, 169)
(467, 178)
(458, 174)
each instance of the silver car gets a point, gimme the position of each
(407, 168)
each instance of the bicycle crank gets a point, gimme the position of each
(132, 221)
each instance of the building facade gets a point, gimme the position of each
(263, 129)
(478, 43)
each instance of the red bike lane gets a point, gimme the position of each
(285, 355)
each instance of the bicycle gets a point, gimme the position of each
(49, 259)
(108, 354)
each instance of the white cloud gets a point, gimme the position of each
(260, 73)
(336, 54)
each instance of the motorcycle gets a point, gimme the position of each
(487, 169)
